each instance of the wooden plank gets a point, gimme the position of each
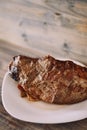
(58, 28)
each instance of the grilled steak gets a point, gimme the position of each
(49, 80)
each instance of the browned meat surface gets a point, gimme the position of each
(50, 80)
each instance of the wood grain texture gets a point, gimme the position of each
(37, 28)
(60, 24)
(9, 123)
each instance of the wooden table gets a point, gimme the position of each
(37, 28)
(60, 24)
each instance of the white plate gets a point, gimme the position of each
(38, 112)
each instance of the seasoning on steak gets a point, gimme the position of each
(49, 80)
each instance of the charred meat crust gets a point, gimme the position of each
(50, 80)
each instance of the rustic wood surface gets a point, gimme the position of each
(62, 24)
(37, 28)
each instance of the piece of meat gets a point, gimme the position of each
(49, 80)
